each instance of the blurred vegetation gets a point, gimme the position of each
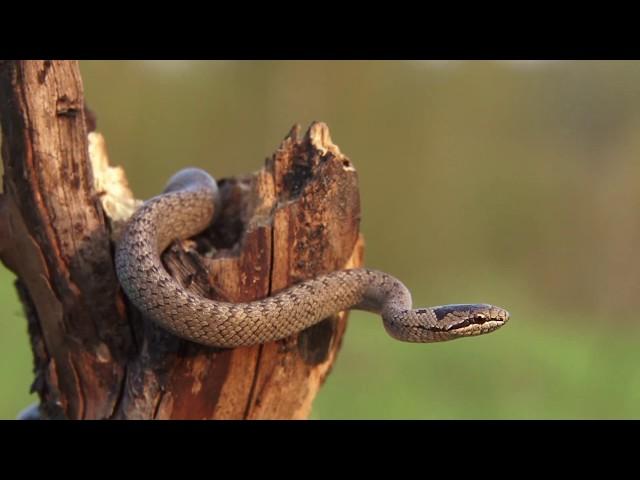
(513, 183)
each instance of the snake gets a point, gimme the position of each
(188, 205)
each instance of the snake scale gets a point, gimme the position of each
(188, 206)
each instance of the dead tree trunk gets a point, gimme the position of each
(95, 356)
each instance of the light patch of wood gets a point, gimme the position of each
(198, 370)
(111, 184)
(321, 139)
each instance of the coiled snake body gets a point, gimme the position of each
(187, 207)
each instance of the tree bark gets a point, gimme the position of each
(95, 355)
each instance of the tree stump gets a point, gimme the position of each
(95, 355)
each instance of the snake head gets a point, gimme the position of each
(448, 322)
(457, 321)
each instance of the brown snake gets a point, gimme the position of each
(187, 207)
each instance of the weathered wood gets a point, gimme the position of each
(95, 356)
(60, 248)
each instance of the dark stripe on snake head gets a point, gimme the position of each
(442, 312)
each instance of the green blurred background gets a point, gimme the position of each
(513, 183)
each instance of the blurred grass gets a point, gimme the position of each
(513, 183)
(16, 367)
(537, 367)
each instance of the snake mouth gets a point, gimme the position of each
(474, 328)
(478, 324)
(476, 320)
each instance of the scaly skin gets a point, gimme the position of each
(187, 207)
